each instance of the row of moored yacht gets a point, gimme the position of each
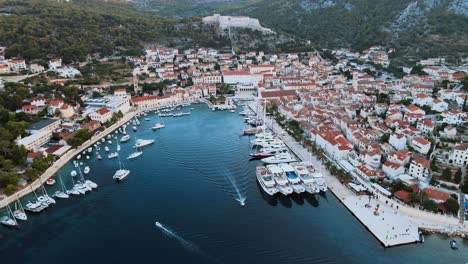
(288, 178)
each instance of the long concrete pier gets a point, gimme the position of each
(64, 159)
(389, 226)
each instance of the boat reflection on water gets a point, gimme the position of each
(271, 200)
(311, 199)
(297, 198)
(287, 201)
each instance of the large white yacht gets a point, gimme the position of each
(319, 181)
(121, 174)
(143, 142)
(285, 157)
(292, 177)
(282, 183)
(266, 180)
(125, 138)
(307, 180)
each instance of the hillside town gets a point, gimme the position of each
(406, 135)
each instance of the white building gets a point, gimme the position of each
(16, 65)
(421, 145)
(241, 77)
(334, 144)
(459, 154)
(34, 141)
(102, 115)
(117, 103)
(36, 68)
(55, 63)
(392, 169)
(67, 72)
(398, 141)
(454, 117)
(419, 168)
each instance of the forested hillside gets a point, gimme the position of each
(416, 28)
(38, 29)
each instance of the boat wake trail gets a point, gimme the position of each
(185, 243)
(239, 196)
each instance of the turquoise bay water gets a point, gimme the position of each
(187, 181)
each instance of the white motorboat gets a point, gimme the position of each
(73, 173)
(290, 173)
(134, 128)
(158, 126)
(19, 212)
(135, 154)
(87, 157)
(91, 184)
(282, 183)
(306, 179)
(292, 178)
(7, 221)
(103, 140)
(78, 188)
(118, 147)
(20, 215)
(78, 157)
(109, 142)
(143, 142)
(46, 199)
(285, 157)
(99, 157)
(319, 181)
(266, 180)
(61, 195)
(90, 149)
(125, 138)
(121, 173)
(35, 207)
(147, 119)
(83, 187)
(109, 136)
(86, 169)
(75, 163)
(106, 148)
(267, 152)
(72, 191)
(50, 181)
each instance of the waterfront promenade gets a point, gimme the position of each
(391, 219)
(64, 159)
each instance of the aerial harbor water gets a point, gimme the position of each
(182, 203)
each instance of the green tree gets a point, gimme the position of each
(446, 174)
(7, 164)
(430, 205)
(413, 197)
(452, 205)
(458, 176)
(9, 189)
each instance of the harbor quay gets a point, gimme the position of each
(387, 224)
(64, 160)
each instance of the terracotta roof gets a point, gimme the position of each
(402, 195)
(421, 160)
(462, 147)
(436, 194)
(102, 111)
(278, 93)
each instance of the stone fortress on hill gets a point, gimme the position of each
(225, 22)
